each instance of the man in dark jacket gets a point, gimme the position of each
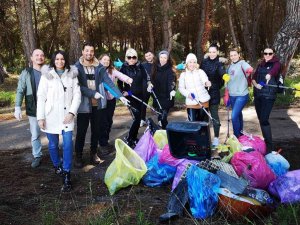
(27, 87)
(93, 81)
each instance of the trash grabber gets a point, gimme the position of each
(228, 124)
(156, 99)
(277, 86)
(144, 103)
(202, 107)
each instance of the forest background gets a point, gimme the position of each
(179, 26)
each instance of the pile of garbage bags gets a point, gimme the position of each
(245, 182)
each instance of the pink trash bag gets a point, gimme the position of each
(146, 147)
(253, 167)
(254, 142)
(167, 158)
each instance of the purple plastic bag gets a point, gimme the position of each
(287, 187)
(255, 142)
(253, 167)
(180, 169)
(146, 147)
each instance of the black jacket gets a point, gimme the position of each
(139, 76)
(262, 70)
(164, 83)
(214, 70)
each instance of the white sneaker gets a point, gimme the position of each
(143, 123)
(215, 142)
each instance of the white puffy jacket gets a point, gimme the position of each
(56, 97)
(193, 82)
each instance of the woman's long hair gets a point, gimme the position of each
(110, 67)
(156, 63)
(66, 58)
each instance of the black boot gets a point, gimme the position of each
(177, 201)
(66, 182)
(267, 134)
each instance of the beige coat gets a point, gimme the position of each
(56, 97)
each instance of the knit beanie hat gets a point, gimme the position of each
(190, 57)
(163, 52)
(131, 52)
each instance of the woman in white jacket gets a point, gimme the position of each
(192, 85)
(58, 99)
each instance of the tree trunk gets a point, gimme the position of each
(228, 10)
(250, 35)
(107, 24)
(288, 37)
(150, 25)
(25, 16)
(167, 26)
(201, 29)
(75, 50)
(37, 38)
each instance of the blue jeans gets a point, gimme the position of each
(35, 137)
(67, 149)
(237, 105)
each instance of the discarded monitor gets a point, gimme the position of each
(189, 140)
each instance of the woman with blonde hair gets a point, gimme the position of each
(192, 85)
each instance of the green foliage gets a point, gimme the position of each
(287, 214)
(50, 211)
(7, 98)
(106, 218)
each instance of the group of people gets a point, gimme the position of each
(57, 93)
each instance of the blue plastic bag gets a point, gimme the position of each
(158, 174)
(277, 163)
(203, 189)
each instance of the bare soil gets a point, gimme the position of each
(32, 196)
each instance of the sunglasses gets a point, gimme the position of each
(131, 57)
(268, 53)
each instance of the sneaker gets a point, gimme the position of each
(58, 170)
(95, 159)
(36, 162)
(143, 123)
(78, 162)
(215, 142)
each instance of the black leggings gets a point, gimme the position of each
(197, 115)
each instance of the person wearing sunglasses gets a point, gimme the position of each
(164, 80)
(134, 69)
(267, 72)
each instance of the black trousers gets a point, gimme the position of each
(146, 97)
(197, 115)
(136, 116)
(83, 121)
(106, 121)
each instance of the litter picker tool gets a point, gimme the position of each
(144, 103)
(277, 86)
(156, 99)
(202, 107)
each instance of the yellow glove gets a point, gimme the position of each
(226, 77)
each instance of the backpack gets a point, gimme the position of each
(249, 78)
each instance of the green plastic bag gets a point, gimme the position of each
(160, 138)
(235, 146)
(126, 169)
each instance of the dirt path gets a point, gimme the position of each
(32, 196)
